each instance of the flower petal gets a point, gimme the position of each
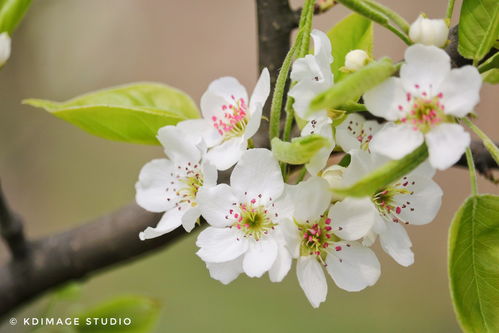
(312, 280)
(190, 217)
(261, 91)
(446, 144)
(179, 147)
(395, 241)
(461, 90)
(260, 256)
(354, 267)
(355, 131)
(221, 92)
(227, 154)
(396, 141)
(322, 50)
(154, 178)
(215, 204)
(310, 199)
(257, 173)
(319, 125)
(353, 218)
(210, 174)
(387, 100)
(226, 272)
(220, 245)
(201, 128)
(170, 221)
(282, 264)
(425, 69)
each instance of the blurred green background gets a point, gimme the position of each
(58, 177)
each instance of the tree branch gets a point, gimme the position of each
(11, 229)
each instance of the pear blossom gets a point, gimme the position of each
(171, 185)
(5, 42)
(355, 60)
(312, 75)
(414, 199)
(355, 132)
(230, 119)
(313, 241)
(429, 31)
(422, 106)
(319, 125)
(245, 221)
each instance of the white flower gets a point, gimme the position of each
(245, 217)
(230, 119)
(422, 104)
(334, 176)
(355, 132)
(429, 32)
(413, 199)
(355, 60)
(312, 74)
(4, 47)
(171, 185)
(352, 266)
(319, 125)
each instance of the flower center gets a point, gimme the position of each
(385, 202)
(363, 134)
(316, 237)
(187, 179)
(254, 220)
(234, 119)
(424, 113)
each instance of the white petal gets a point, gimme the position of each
(322, 49)
(220, 245)
(154, 179)
(5, 46)
(446, 144)
(312, 280)
(461, 90)
(355, 131)
(178, 146)
(310, 199)
(170, 221)
(282, 264)
(201, 128)
(260, 257)
(354, 267)
(353, 218)
(361, 164)
(396, 141)
(215, 204)
(387, 100)
(226, 272)
(210, 174)
(395, 241)
(221, 92)
(190, 217)
(261, 91)
(322, 126)
(227, 154)
(425, 69)
(257, 173)
(254, 121)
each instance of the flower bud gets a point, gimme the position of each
(355, 60)
(334, 176)
(429, 32)
(4, 48)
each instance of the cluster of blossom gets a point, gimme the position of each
(259, 224)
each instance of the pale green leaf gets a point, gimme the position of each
(131, 113)
(474, 264)
(491, 63)
(143, 313)
(352, 33)
(491, 76)
(354, 85)
(385, 175)
(478, 28)
(300, 150)
(11, 13)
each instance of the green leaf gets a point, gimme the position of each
(300, 150)
(352, 33)
(11, 13)
(491, 76)
(490, 63)
(354, 85)
(478, 28)
(474, 264)
(386, 174)
(143, 313)
(131, 113)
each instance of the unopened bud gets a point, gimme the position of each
(429, 31)
(334, 176)
(355, 60)
(4, 48)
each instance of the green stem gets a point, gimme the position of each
(487, 142)
(450, 9)
(290, 116)
(392, 15)
(472, 171)
(399, 33)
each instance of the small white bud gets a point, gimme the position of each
(334, 176)
(4, 48)
(355, 60)
(429, 31)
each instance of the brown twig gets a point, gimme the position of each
(11, 229)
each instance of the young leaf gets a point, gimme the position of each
(143, 313)
(300, 150)
(131, 113)
(385, 175)
(351, 33)
(474, 264)
(478, 28)
(11, 13)
(354, 85)
(490, 63)
(491, 76)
